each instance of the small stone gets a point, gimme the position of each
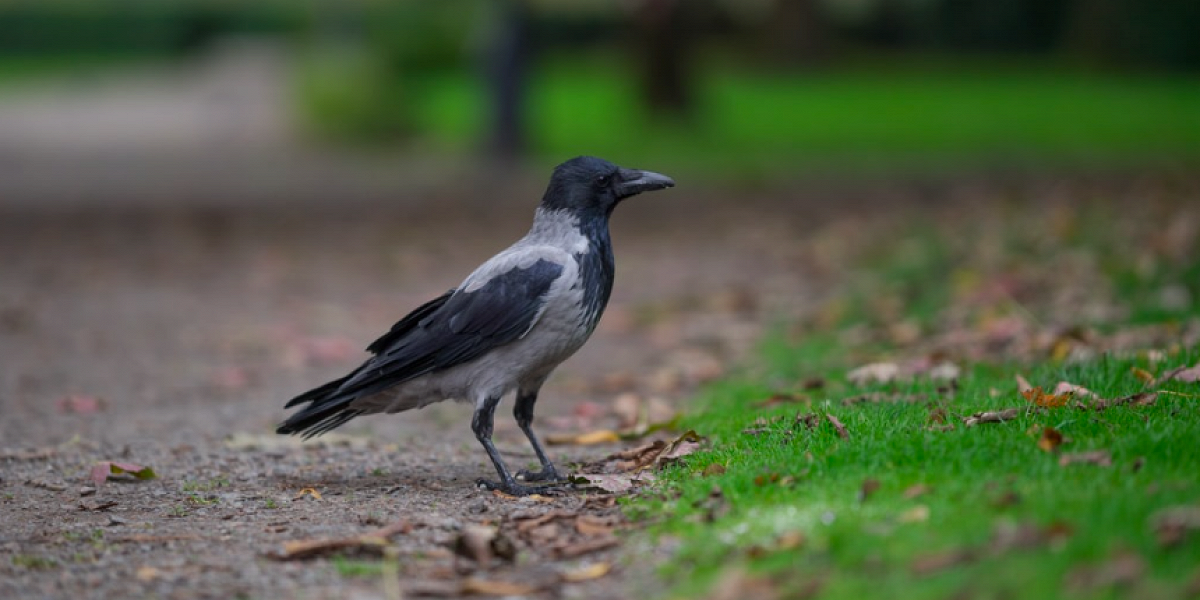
(478, 507)
(87, 491)
(115, 520)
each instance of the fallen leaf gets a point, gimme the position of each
(809, 420)
(587, 573)
(714, 469)
(493, 587)
(1172, 524)
(603, 436)
(310, 492)
(1139, 399)
(1023, 384)
(1038, 397)
(992, 416)
(932, 563)
(102, 470)
(838, 426)
(1064, 388)
(1122, 569)
(1051, 439)
(147, 574)
(916, 490)
(1095, 457)
(373, 542)
(881, 372)
(592, 526)
(937, 415)
(916, 514)
(869, 487)
(80, 404)
(1143, 375)
(585, 547)
(777, 399)
(475, 542)
(1183, 374)
(614, 483)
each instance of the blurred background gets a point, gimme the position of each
(259, 99)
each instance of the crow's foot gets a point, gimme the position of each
(547, 474)
(513, 488)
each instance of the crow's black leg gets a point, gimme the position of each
(523, 412)
(481, 424)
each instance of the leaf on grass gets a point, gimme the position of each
(869, 487)
(102, 470)
(809, 420)
(778, 398)
(1039, 398)
(881, 372)
(992, 416)
(373, 542)
(1182, 374)
(1143, 375)
(603, 436)
(1139, 399)
(916, 490)
(587, 572)
(838, 426)
(916, 514)
(1123, 569)
(1174, 523)
(1051, 439)
(714, 469)
(1095, 457)
(1023, 384)
(932, 563)
(1064, 388)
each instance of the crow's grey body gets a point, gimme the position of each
(505, 328)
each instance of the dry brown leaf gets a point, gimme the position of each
(587, 573)
(1065, 388)
(1143, 375)
(1174, 523)
(992, 416)
(1023, 384)
(1139, 399)
(310, 492)
(838, 426)
(932, 563)
(916, 490)
(777, 399)
(714, 469)
(374, 542)
(937, 415)
(881, 372)
(916, 514)
(1051, 439)
(1095, 457)
(613, 483)
(591, 526)
(147, 574)
(1037, 397)
(585, 547)
(102, 470)
(493, 587)
(603, 436)
(869, 487)
(1182, 374)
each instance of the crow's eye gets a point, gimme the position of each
(602, 181)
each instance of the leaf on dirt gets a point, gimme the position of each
(880, 372)
(586, 547)
(530, 498)
(310, 492)
(992, 416)
(1051, 439)
(587, 572)
(1173, 524)
(80, 404)
(916, 490)
(1095, 457)
(483, 544)
(494, 587)
(1039, 398)
(96, 507)
(372, 542)
(101, 471)
(592, 526)
(613, 483)
(147, 574)
(602, 436)
(838, 426)
(869, 487)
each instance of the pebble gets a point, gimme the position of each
(478, 507)
(87, 491)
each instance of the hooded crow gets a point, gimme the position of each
(505, 328)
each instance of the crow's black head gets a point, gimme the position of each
(591, 185)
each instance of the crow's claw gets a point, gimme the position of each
(513, 488)
(546, 474)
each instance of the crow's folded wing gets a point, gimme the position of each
(457, 327)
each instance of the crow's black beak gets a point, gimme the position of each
(632, 182)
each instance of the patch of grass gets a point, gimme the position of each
(270, 504)
(32, 562)
(347, 567)
(205, 486)
(986, 480)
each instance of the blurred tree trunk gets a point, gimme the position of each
(798, 32)
(663, 51)
(506, 64)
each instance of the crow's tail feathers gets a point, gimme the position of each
(327, 409)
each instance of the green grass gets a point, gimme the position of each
(794, 479)
(862, 119)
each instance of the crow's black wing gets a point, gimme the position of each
(463, 327)
(408, 323)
